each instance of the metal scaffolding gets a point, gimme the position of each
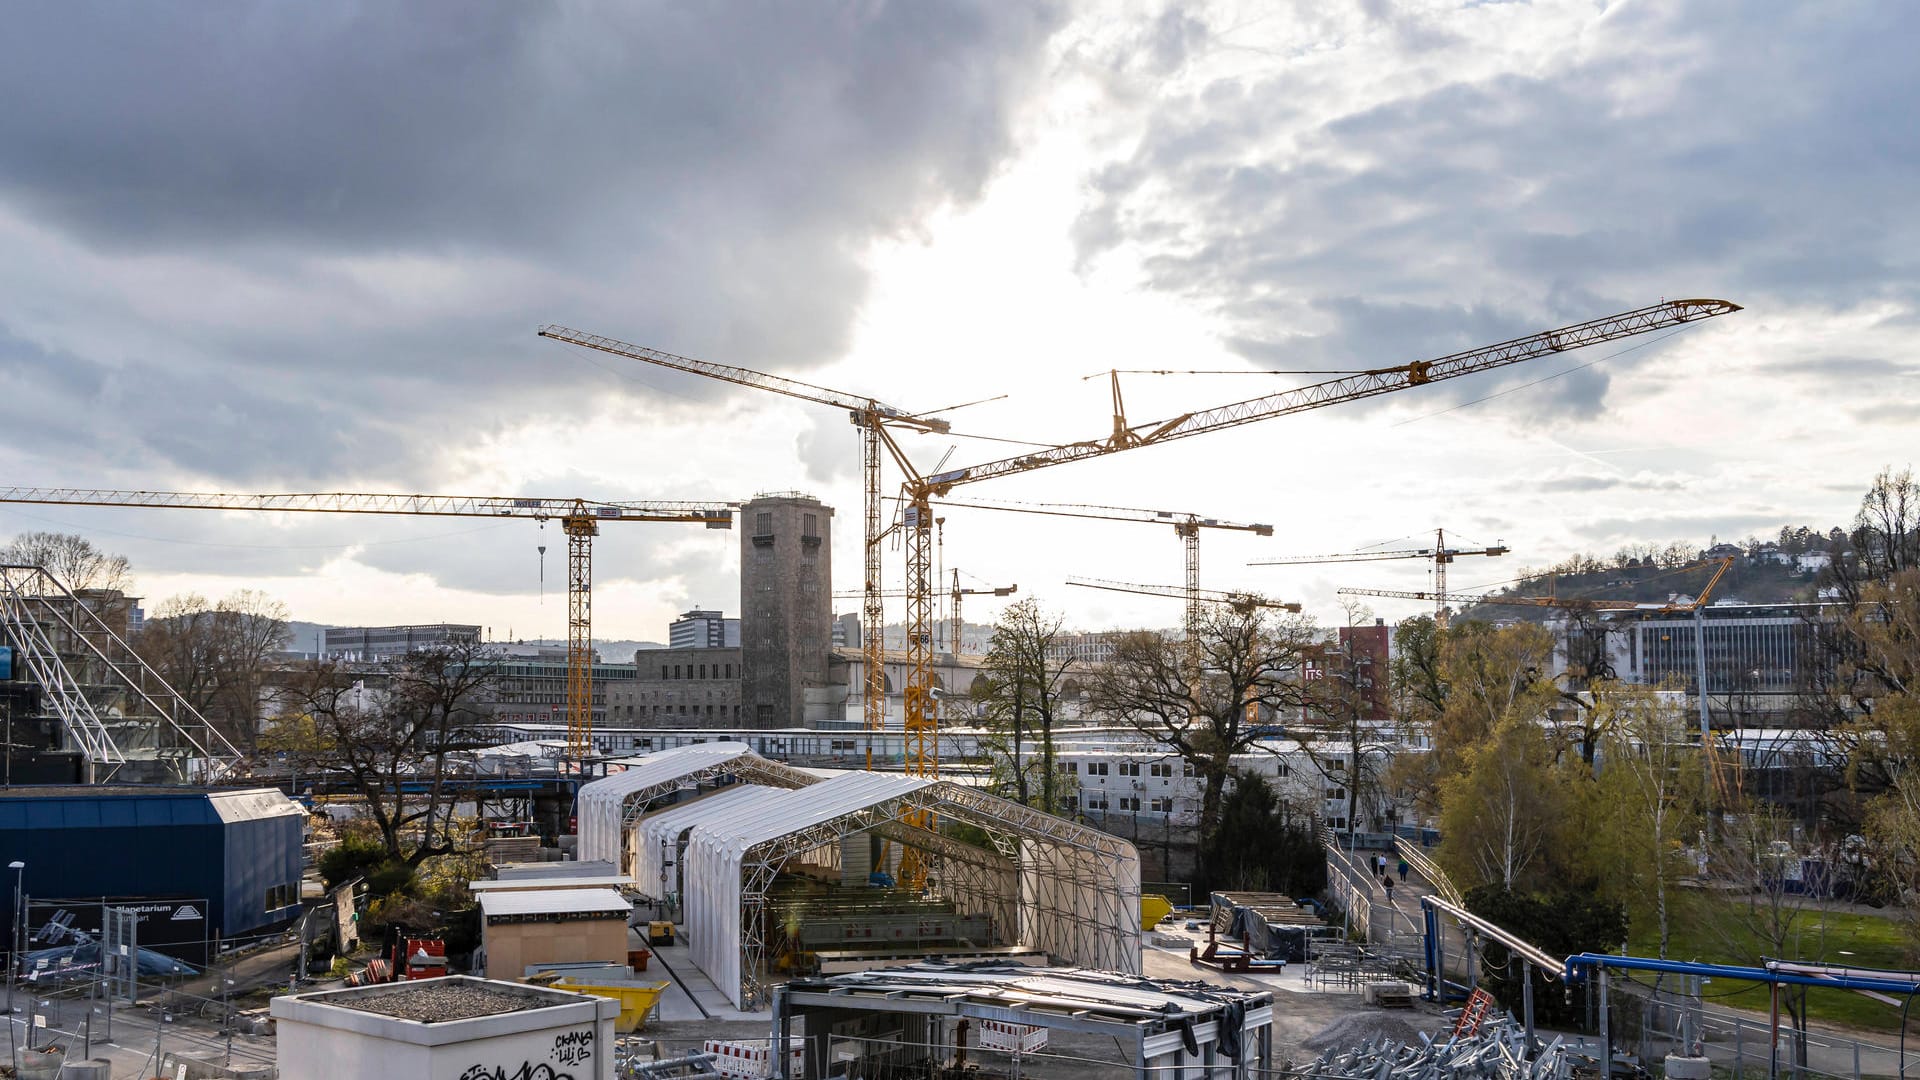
(112, 706)
(1058, 886)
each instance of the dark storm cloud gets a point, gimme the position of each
(1762, 153)
(370, 207)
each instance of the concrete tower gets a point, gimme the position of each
(786, 606)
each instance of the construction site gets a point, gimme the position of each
(600, 542)
(817, 871)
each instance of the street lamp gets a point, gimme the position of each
(13, 957)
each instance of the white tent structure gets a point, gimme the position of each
(608, 807)
(657, 838)
(1045, 883)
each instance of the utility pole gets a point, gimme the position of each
(1706, 725)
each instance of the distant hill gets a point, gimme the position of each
(1752, 579)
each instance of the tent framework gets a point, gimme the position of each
(1047, 883)
(1027, 874)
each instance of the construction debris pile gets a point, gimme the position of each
(1498, 1050)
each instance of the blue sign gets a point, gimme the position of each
(6, 662)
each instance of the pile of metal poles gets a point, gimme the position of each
(1499, 1050)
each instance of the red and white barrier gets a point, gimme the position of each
(750, 1057)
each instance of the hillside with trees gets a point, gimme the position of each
(1783, 569)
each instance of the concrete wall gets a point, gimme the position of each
(571, 1039)
(512, 946)
(700, 687)
(786, 607)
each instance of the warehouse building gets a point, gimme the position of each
(195, 862)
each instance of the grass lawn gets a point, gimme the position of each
(1721, 931)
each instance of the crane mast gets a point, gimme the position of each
(580, 519)
(868, 415)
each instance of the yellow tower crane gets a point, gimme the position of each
(1440, 554)
(871, 416)
(580, 519)
(1242, 602)
(919, 491)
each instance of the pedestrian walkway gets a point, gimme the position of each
(690, 995)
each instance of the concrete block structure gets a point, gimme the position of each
(455, 1028)
(786, 604)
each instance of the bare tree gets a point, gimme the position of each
(1754, 860)
(72, 559)
(1250, 663)
(381, 740)
(217, 656)
(1345, 728)
(1024, 691)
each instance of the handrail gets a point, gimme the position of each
(1430, 870)
(1522, 948)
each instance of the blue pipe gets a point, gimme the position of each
(1728, 971)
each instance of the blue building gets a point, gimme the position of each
(166, 851)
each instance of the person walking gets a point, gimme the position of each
(1387, 883)
(1403, 871)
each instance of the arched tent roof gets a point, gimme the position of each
(660, 830)
(717, 850)
(1065, 888)
(601, 805)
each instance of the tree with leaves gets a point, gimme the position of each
(382, 739)
(1023, 694)
(1249, 663)
(1649, 799)
(1263, 845)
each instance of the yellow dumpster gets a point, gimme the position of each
(1153, 908)
(636, 999)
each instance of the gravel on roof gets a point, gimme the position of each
(437, 1001)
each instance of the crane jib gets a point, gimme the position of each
(1352, 388)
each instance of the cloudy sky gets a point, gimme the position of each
(272, 247)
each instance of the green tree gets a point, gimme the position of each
(1261, 845)
(1648, 801)
(1503, 813)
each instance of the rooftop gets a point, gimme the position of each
(534, 902)
(436, 1001)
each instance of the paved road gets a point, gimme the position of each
(129, 1044)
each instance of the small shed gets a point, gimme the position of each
(455, 1028)
(551, 926)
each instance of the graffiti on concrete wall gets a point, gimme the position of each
(570, 1051)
